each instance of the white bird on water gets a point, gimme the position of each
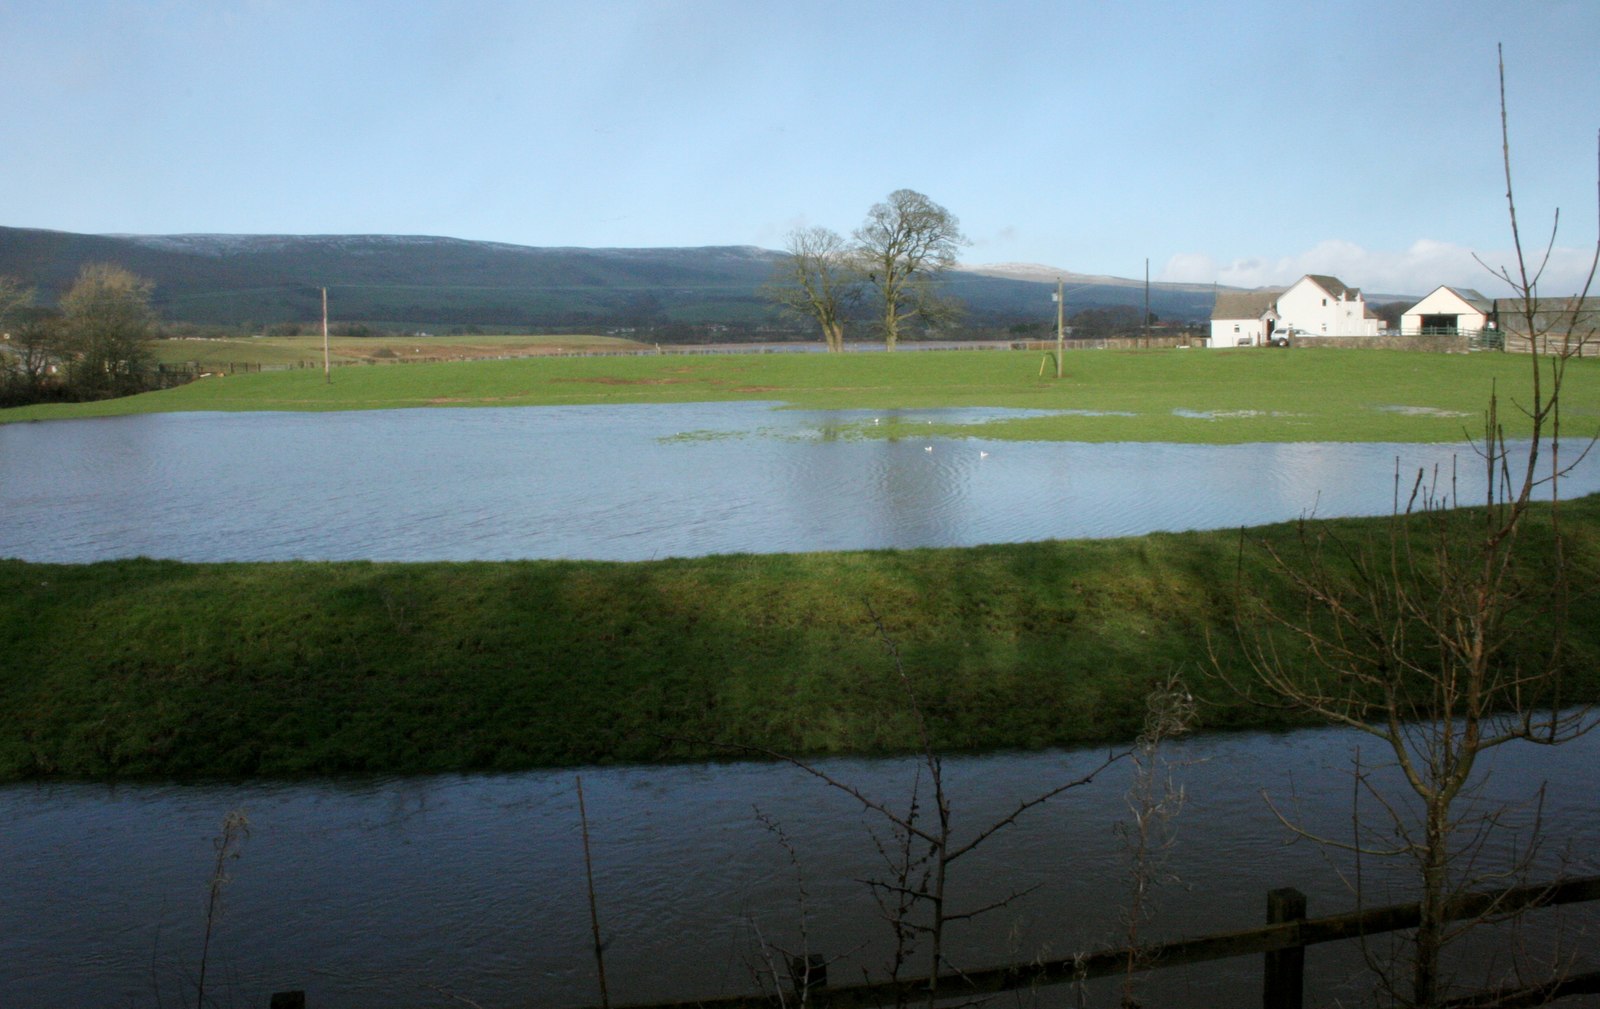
(928, 448)
(982, 454)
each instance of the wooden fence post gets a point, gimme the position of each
(1285, 976)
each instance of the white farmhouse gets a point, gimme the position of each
(1322, 306)
(1312, 306)
(1244, 318)
(1448, 310)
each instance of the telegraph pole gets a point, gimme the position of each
(327, 366)
(1061, 333)
(1147, 301)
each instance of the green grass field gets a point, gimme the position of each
(1217, 396)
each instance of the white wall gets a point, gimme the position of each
(1237, 332)
(1311, 310)
(1442, 301)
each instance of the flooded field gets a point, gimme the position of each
(646, 481)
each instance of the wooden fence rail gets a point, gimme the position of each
(1282, 941)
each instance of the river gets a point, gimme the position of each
(424, 891)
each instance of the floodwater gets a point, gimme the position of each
(643, 482)
(431, 891)
(426, 891)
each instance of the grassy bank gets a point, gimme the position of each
(160, 668)
(1215, 396)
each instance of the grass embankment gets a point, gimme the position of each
(1215, 396)
(160, 668)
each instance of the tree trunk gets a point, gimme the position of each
(1435, 891)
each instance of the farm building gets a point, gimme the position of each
(1558, 324)
(1448, 310)
(1311, 307)
(1244, 318)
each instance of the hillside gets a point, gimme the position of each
(239, 280)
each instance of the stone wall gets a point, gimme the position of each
(1454, 343)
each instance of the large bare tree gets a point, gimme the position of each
(817, 281)
(107, 324)
(906, 242)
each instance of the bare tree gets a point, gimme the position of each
(13, 295)
(1154, 801)
(906, 242)
(1443, 636)
(235, 829)
(30, 356)
(920, 850)
(817, 281)
(24, 353)
(107, 323)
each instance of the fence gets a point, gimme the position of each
(1579, 344)
(1282, 942)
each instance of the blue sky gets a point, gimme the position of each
(1245, 143)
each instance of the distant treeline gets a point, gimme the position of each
(95, 345)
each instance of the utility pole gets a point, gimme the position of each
(1147, 301)
(327, 366)
(1061, 333)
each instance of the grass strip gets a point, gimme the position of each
(1194, 396)
(226, 353)
(155, 668)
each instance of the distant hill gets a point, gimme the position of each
(424, 281)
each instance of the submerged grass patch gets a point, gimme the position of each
(142, 667)
(1215, 396)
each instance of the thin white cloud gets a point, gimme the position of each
(1426, 264)
(997, 239)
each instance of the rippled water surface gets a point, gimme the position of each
(639, 482)
(379, 893)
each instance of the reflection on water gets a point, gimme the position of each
(639, 482)
(375, 893)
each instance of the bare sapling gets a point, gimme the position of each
(227, 846)
(1444, 636)
(790, 974)
(1154, 800)
(594, 907)
(920, 850)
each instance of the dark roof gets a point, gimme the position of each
(1334, 286)
(1246, 304)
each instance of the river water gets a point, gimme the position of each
(639, 482)
(421, 891)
